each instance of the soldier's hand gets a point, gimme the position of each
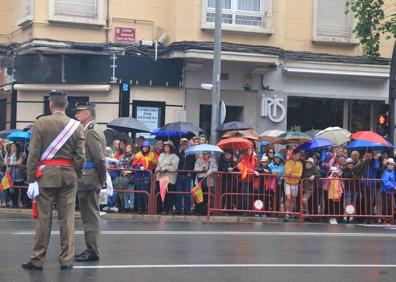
(142, 168)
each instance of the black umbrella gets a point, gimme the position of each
(112, 134)
(5, 133)
(233, 125)
(180, 127)
(125, 124)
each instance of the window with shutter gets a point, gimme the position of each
(240, 15)
(26, 12)
(332, 24)
(77, 11)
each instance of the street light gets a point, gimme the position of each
(216, 74)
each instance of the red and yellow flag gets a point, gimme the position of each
(243, 169)
(197, 193)
(6, 182)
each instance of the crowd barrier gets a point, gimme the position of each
(231, 193)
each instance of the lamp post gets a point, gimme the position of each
(216, 74)
(392, 96)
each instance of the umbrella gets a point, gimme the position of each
(19, 136)
(369, 136)
(270, 135)
(180, 127)
(317, 143)
(292, 137)
(5, 133)
(312, 133)
(158, 132)
(247, 133)
(112, 134)
(235, 144)
(233, 125)
(337, 135)
(364, 145)
(264, 143)
(128, 124)
(164, 181)
(199, 149)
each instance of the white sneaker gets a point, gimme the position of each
(114, 209)
(106, 209)
(333, 221)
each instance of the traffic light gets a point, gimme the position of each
(383, 124)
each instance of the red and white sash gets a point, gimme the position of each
(58, 142)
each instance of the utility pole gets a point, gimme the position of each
(392, 97)
(216, 74)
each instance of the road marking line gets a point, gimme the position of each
(226, 233)
(233, 266)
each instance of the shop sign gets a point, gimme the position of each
(149, 116)
(273, 108)
(125, 35)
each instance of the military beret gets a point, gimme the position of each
(53, 93)
(85, 106)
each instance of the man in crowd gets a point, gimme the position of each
(57, 143)
(293, 172)
(92, 181)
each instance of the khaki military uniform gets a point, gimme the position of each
(90, 184)
(57, 185)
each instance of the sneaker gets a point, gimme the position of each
(333, 221)
(114, 209)
(106, 209)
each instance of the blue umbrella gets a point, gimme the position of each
(19, 136)
(158, 132)
(200, 149)
(317, 143)
(5, 133)
(364, 145)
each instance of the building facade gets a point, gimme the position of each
(285, 64)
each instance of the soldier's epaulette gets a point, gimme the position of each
(91, 126)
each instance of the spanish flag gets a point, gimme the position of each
(243, 169)
(6, 182)
(197, 193)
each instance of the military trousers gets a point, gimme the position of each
(89, 209)
(65, 199)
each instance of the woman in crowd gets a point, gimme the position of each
(309, 176)
(15, 159)
(145, 161)
(120, 153)
(204, 166)
(277, 168)
(168, 163)
(247, 167)
(227, 164)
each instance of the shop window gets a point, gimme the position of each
(152, 114)
(77, 11)
(306, 113)
(3, 113)
(239, 15)
(71, 109)
(332, 23)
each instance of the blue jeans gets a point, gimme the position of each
(183, 201)
(129, 198)
(111, 201)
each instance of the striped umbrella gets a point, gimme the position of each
(292, 137)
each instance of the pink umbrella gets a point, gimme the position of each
(164, 181)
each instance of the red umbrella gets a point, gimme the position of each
(369, 136)
(235, 144)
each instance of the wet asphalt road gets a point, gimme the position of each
(138, 251)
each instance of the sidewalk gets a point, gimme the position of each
(27, 213)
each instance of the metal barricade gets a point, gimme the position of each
(253, 195)
(346, 198)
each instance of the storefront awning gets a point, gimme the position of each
(48, 87)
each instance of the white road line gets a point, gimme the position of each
(226, 233)
(234, 266)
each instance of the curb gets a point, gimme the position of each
(26, 213)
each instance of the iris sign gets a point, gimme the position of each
(273, 108)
